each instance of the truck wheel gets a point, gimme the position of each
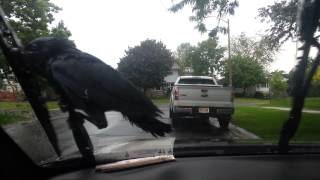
(224, 122)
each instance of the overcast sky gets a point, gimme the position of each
(106, 29)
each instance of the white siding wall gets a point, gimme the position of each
(171, 78)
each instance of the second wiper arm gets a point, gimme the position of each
(309, 23)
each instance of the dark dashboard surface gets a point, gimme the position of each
(270, 167)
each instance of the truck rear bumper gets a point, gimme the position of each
(195, 111)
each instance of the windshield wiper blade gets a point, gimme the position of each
(309, 23)
(12, 49)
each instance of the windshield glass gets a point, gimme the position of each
(98, 79)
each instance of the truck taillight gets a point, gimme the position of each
(176, 93)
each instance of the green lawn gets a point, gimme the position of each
(247, 101)
(10, 118)
(160, 100)
(310, 102)
(24, 105)
(266, 123)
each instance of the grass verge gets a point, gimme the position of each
(267, 123)
(6, 118)
(11, 111)
(160, 100)
(312, 103)
(24, 105)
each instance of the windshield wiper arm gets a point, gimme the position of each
(12, 50)
(309, 23)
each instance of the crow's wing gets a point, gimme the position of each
(92, 85)
(89, 78)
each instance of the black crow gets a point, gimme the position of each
(88, 85)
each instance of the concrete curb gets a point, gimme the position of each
(288, 109)
(243, 131)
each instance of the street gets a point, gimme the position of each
(120, 139)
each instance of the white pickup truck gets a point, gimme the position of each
(200, 97)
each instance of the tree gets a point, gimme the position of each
(246, 72)
(182, 55)
(31, 19)
(278, 84)
(204, 59)
(258, 51)
(202, 9)
(282, 16)
(211, 52)
(314, 90)
(60, 31)
(316, 77)
(147, 64)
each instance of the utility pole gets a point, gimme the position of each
(229, 56)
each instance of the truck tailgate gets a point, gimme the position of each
(204, 96)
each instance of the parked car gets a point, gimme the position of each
(200, 97)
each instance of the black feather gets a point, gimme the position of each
(89, 84)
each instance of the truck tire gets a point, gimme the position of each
(224, 122)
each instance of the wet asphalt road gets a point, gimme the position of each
(120, 139)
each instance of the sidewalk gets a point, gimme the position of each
(288, 109)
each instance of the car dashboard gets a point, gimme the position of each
(267, 167)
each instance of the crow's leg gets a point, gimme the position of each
(81, 136)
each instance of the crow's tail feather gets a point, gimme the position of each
(149, 123)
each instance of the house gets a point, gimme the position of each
(169, 81)
(172, 77)
(10, 89)
(259, 90)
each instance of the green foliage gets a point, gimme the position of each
(314, 90)
(182, 56)
(246, 72)
(31, 19)
(204, 59)
(316, 77)
(278, 84)
(6, 118)
(202, 9)
(315, 84)
(282, 18)
(211, 52)
(60, 31)
(259, 51)
(147, 64)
